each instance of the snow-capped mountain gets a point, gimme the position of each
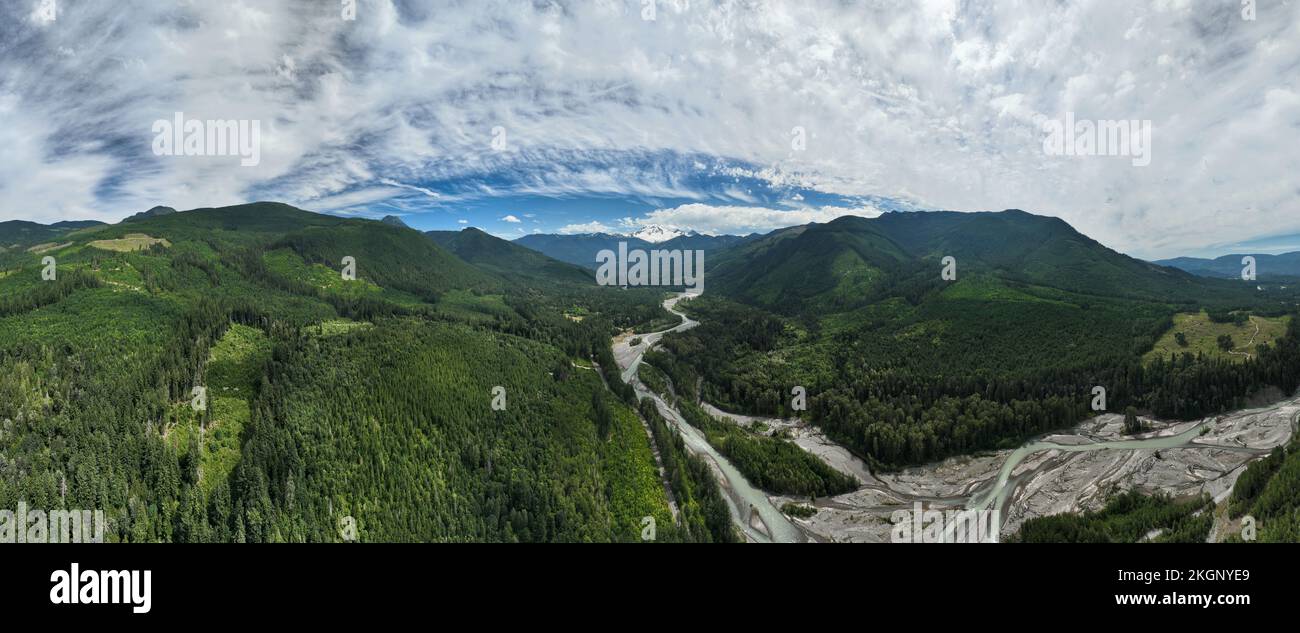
(583, 249)
(655, 233)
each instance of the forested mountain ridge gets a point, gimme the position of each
(851, 261)
(582, 249)
(1282, 266)
(903, 366)
(150, 213)
(816, 268)
(495, 254)
(329, 401)
(21, 234)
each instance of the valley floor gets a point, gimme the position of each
(1058, 473)
(1054, 481)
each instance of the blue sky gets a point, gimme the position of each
(700, 193)
(718, 116)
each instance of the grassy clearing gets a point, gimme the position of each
(337, 327)
(234, 368)
(988, 288)
(45, 248)
(130, 242)
(235, 363)
(1202, 336)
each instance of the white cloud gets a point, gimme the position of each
(510, 218)
(938, 102)
(715, 220)
(589, 227)
(424, 190)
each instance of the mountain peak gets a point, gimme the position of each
(151, 213)
(655, 233)
(395, 221)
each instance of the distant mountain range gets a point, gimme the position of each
(1025, 245)
(499, 256)
(151, 213)
(20, 234)
(1285, 265)
(846, 262)
(581, 249)
(401, 360)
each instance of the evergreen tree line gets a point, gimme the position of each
(704, 513)
(896, 404)
(47, 292)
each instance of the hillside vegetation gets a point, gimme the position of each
(903, 366)
(335, 408)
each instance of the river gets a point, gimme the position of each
(989, 482)
(751, 509)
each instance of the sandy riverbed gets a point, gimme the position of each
(1055, 481)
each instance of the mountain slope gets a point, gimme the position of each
(578, 249)
(150, 213)
(841, 264)
(327, 397)
(391, 257)
(497, 255)
(1285, 265)
(19, 234)
(1034, 249)
(903, 366)
(582, 249)
(812, 268)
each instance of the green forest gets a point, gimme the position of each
(1268, 491)
(886, 391)
(456, 387)
(363, 403)
(1128, 517)
(770, 462)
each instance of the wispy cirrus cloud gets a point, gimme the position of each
(432, 108)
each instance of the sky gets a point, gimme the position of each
(721, 117)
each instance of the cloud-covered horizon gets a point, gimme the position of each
(722, 220)
(724, 116)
